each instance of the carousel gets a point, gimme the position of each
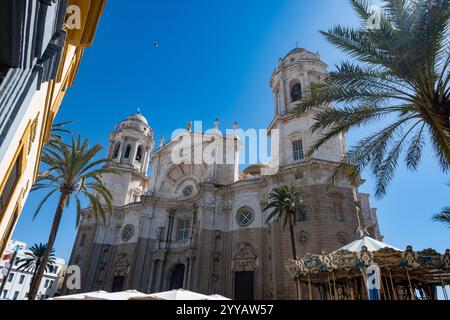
(368, 269)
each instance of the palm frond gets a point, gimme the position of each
(34, 257)
(41, 204)
(443, 217)
(414, 154)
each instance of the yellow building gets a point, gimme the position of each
(40, 56)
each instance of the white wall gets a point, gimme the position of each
(15, 285)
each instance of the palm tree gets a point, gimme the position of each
(285, 202)
(71, 171)
(403, 74)
(34, 258)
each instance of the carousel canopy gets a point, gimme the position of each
(426, 266)
(368, 242)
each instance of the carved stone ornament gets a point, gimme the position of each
(121, 266)
(215, 278)
(245, 259)
(216, 256)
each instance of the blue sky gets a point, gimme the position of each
(214, 61)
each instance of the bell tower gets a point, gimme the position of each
(289, 82)
(130, 146)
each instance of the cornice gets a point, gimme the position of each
(91, 11)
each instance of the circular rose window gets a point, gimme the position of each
(342, 237)
(188, 191)
(245, 216)
(127, 232)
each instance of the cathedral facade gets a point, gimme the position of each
(202, 227)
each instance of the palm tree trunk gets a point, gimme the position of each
(51, 241)
(294, 251)
(34, 276)
(291, 231)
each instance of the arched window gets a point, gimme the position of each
(177, 277)
(297, 150)
(139, 154)
(296, 92)
(127, 152)
(338, 212)
(302, 213)
(116, 150)
(183, 229)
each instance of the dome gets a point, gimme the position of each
(296, 50)
(302, 53)
(139, 117)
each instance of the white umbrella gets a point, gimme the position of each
(180, 295)
(368, 242)
(125, 295)
(136, 295)
(217, 297)
(80, 296)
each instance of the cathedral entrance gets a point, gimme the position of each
(244, 285)
(118, 283)
(177, 278)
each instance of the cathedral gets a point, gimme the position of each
(201, 227)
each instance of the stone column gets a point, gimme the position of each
(112, 146)
(133, 154)
(142, 247)
(146, 160)
(119, 156)
(91, 272)
(275, 103)
(186, 274)
(188, 285)
(123, 147)
(152, 281)
(283, 100)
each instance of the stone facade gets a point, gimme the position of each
(202, 227)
